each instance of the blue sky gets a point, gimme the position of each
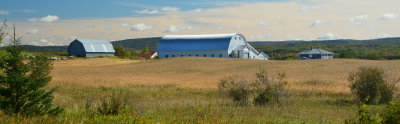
(57, 22)
(75, 9)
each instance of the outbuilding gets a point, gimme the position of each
(316, 54)
(90, 48)
(215, 45)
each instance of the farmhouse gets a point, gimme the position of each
(216, 45)
(90, 48)
(316, 54)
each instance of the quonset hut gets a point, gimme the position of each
(90, 48)
(216, 45)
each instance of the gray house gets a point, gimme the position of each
(316, 54)
(215, 45)
(90, 48)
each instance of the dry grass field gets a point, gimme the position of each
(204, 73)
(184, 90)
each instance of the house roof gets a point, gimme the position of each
(316, 51)
(195, 42)
(96, 45)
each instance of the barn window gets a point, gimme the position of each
(166, 56)
(235, 38)
(212, 55)
(240, 38)
(254, 57)
(173, 55)
(220, 55)
(230, 55)
(190, 55)
(205, 55)
(197, 55)
(181, 55)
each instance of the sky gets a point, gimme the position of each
(57, 22)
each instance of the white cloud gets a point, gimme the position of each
(147, 11)
(107, 27)
(50, 44)
(328, 36)
(263, 37)
(263, 23)
(43, 40)
(34, 31)
(33, 19)
(141, 27)
(124, 24)
(170, 9)
(197, 10)
(315, 23)
(239, 27)
(70, 38)
(176, 29)
(307, 8)
(388, 16)
(4, 12)
(384, 36)
(49, 18)
(358, 19)
(84, 26)
(220, 28)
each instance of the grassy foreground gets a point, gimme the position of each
(183, 90)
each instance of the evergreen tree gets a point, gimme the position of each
(22, 83)
(121, 52)
(146, 50)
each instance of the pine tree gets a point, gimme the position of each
(146, 50)
(22, 83)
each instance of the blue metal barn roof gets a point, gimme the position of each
(195, 42)
(97, 45)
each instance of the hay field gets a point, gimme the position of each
(204, 73)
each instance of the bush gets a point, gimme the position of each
(392, 114)
(238, 90)
(371, 85)
(270, 90)
(121, 52)
(113, 106)
(264, 90)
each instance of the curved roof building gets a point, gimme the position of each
(214, 45)
(90, 48)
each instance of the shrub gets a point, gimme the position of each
(371, 86)
(392, 113)
(112, 106)
(238, 90)
(264, 90)
(121, 52)
(270, 90)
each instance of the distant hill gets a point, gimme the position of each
(385, 48)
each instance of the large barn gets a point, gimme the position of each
(216, 45)
(90, 48)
